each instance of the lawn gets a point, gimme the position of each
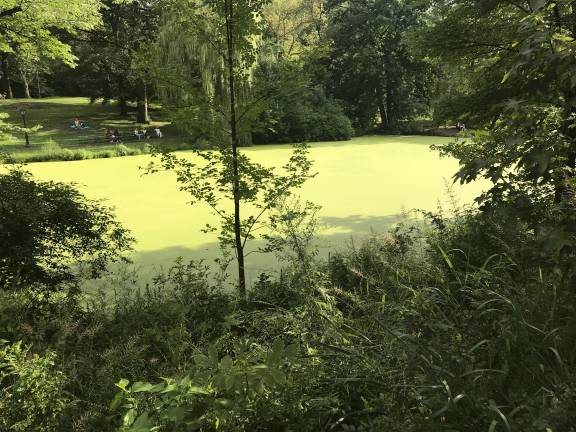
(54, 117)
(364, 184)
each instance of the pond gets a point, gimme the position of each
(363, 185)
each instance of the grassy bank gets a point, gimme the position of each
(52, 139)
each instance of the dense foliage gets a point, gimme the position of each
(51, 234)
(453, 325)
(458, 321)
(300, 111)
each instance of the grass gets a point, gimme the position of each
(54, 117)
(363, 185)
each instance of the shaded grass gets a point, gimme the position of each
(53, 117)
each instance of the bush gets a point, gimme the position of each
(52, 151)
(122, 150)
(32, 394)
(299, 112)
(312, 119)
(328, 123)
(477, 332)
(57, 233)
(457, 325)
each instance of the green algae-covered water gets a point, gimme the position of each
(363, 185)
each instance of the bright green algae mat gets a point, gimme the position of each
(363, 185)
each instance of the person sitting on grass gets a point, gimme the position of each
(77, 124)
(116, 139)
(157, 132)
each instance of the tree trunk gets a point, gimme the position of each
(38, 83)
(381, 106)
(142, 115)
(6, 84)
(390, 108)
(234, 137)
(123, 106)
(26, 85)
(122, 103)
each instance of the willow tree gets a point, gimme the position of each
(206, 53)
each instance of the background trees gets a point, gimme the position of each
(523, 94)
(370, 66)
(30, 28)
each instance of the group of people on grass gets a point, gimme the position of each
(148, 133)
(79, 124)
(114, 136)
(461, 127)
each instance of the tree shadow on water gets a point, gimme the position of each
(337, 233)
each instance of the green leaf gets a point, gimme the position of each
(118, 399)
(537, 4)
(202, 360)
(142, 422)
(176, 414)
(197, 390)
(292, 351)
(129, 417)
(139, 387)
(122, 384)
(226, 363)
(278, 375)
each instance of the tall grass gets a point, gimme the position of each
(52, 151)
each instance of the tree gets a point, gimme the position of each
(42, 24)
(526, 68)
(208, 53)
(370, 66)
(471, 43)
(111, 54)
(295, 25)
(50, 233)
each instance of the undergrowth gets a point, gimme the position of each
(456, 325)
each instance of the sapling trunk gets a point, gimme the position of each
(234, 138)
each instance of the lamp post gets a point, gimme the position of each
(23, 114)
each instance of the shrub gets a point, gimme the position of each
(122, 150)
(313, 118)
(328, 123)
(220, 390)
(31, 390)
(56, 233)
(299, 112)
